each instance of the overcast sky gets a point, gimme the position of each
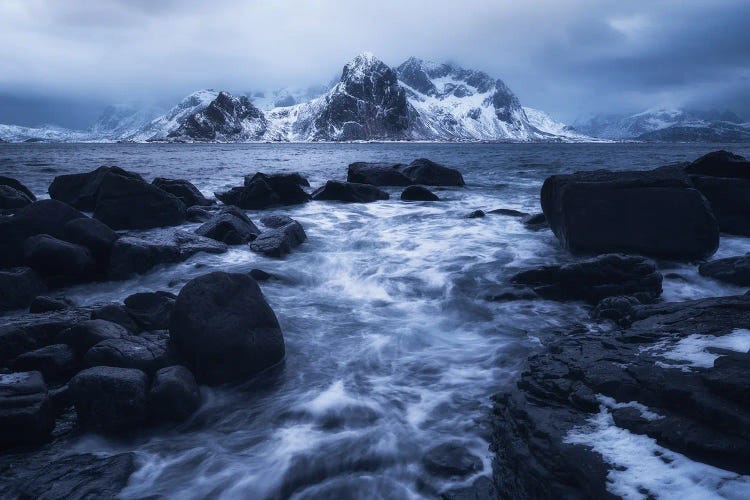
(62, 61)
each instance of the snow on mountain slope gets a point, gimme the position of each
(286, 97)
(548, 125)
(49, 133)
(161, 127)
(122, 120)
(226, 119)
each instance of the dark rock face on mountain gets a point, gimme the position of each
(82, 190)
(227, 118)
(596, 279)
(655, 213)
(350, 192)
(724, 179)
(586, 385)
(224, 328)
(366, 104)
(127, 203)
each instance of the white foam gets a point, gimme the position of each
(640, 464)
(693, 350)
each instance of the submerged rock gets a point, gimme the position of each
(225, 329)
(418, 193)
(174, 394)
(82, 190)
(110, 399)
(184, 190)
(655, 213)
(476, 214)
(26, 414)
(595, 279)
(510, 212)
(451, 459)
(734, 270)
(349, 192)
(284, 235)
(536, 222)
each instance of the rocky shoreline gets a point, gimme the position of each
(674, 373)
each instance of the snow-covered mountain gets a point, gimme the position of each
(122, 120)
(48, 133)
(667, 125)
(160, 128)
(225, 119)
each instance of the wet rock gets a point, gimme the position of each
(82, 190)
(109, 398)
(197, 214)
(283, 178)
(55, 258)
(151, 310)
(190, 244)
(57, 362)
(18, 186)
(656, 213)
(618, 308)
(184, 190)
(147, 352)
(127, 203)
(116, 313)
(131, 255)
(96, 236)
(260, 275)
(224, 328)
(86, 334)
(734, 270)
(12, 198)
(18, 287)
(450, 460)
(43, 303)
(595, 279)
(25, 412)
(41, 217)
(174, 394)
(536, 222)
(263, 191)
(229, 226)
(510, 212)
(280, 239)
(74, 477)
(31, 332)
(418, 193)
(378, 174)
(429, 173)
(476, 214)
(349, 192)
(481, 489)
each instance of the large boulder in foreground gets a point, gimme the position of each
(224, 328)
(184, 190)
(18, 287)
(128, 203)
(58, 259)
(654, 213)
(82, 190)
(110, 399)
(724, 179)
(11, 199)
(174, 394)
(26, 415)
(596, 279)
(350, 192)
(18, 186)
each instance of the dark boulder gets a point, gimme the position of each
(286, 186)
(378, 174)
(536, 222)
(57, 362)
(18, 287)
(151, 310)
(82, 190)
(229, 226)
(263, 191)
(174, 394)
(720, 164)
(184, 190)
(148, 352)
(224, 328)
(481, 489)
(109, 398)
(285, 178)
(11, 199)
(29, 332)
(131, 255)
(260, 275)
(190, 244)
(429, 173)
(655, 213)
(84, 335)
(55, 258)
(619, 308)
(197, 214)
(116, 313)
(594, 280)
(418, 193)
(285, 234)
(18, 186)
(349, 192)
(509, 212)
(92, 234)
(25, 411)
(41, 217)
(476, 214)
(74, 477)
(451, 459)
(127, 203)
(734, 270)
(43, 303)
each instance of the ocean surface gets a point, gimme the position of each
(391, 349)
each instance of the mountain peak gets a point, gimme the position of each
(362, 65)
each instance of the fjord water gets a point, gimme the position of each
(391, 349)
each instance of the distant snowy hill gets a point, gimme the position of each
(122, 120)
(671, 125)
(50, 133)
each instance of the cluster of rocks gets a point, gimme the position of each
(627, 370)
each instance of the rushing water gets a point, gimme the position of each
(390, 348)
